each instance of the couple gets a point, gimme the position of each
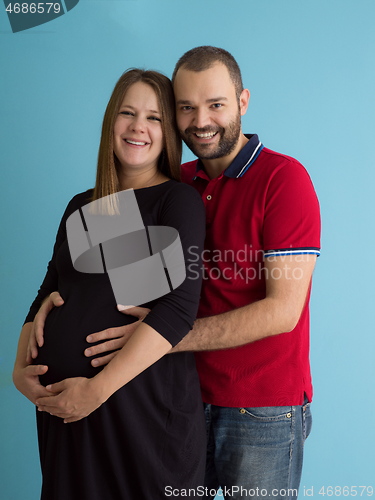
(146, 437)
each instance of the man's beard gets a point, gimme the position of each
(228, 140)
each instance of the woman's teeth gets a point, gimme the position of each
(135, 142)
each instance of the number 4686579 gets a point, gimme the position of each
(33, 8)
(346, 491)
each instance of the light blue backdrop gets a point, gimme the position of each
(310, 68)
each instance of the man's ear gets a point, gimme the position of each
(244, 101)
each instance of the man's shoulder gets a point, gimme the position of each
(275, 158)
(278, 169)
(272, 163)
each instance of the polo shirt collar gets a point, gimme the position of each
(242, 162)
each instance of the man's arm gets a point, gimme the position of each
(113, 339)
(287, 284)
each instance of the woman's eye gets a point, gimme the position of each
(154, 118)
(127, 113)
(186, 108)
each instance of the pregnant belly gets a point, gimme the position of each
(65, 335)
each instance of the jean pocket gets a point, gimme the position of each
(306, 420)
(269, 413)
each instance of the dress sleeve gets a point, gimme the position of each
(292, 215)
(174, 314)
(50, 282)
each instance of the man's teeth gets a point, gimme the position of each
(208, 135)
(136, 143)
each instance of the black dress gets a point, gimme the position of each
(150, 434)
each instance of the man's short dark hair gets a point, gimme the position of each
(204, 57)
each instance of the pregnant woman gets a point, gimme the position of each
(136, 427)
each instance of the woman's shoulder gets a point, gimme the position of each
(78, 201)
(82, 198)
(182, 205)
(180, 190)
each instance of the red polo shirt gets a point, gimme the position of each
(263, 205)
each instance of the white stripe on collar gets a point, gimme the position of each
(250, 160)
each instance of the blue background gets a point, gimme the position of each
(310, 68)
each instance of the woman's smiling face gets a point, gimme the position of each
(137, 133)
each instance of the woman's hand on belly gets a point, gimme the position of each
(36, 338)
(26, 379)
(71, 399)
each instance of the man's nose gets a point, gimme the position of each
(202, 118)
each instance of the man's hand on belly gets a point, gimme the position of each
(113, 339)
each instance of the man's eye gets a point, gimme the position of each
(186, 108)
(217, 105)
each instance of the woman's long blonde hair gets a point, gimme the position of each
(107, 182)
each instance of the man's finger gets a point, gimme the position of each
(103, 360)
(110, 345)
(109, 333)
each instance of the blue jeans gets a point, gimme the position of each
(256, 452)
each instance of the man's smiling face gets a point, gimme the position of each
(208, 111)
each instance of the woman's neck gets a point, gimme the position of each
(141, 180)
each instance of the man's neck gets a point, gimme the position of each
(215, 167)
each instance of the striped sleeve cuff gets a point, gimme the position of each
(292, 251)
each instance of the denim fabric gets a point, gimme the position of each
(256, 452)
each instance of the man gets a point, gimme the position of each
(252, 335)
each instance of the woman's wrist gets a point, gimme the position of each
(99, 387)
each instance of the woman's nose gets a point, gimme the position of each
(138, 124)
